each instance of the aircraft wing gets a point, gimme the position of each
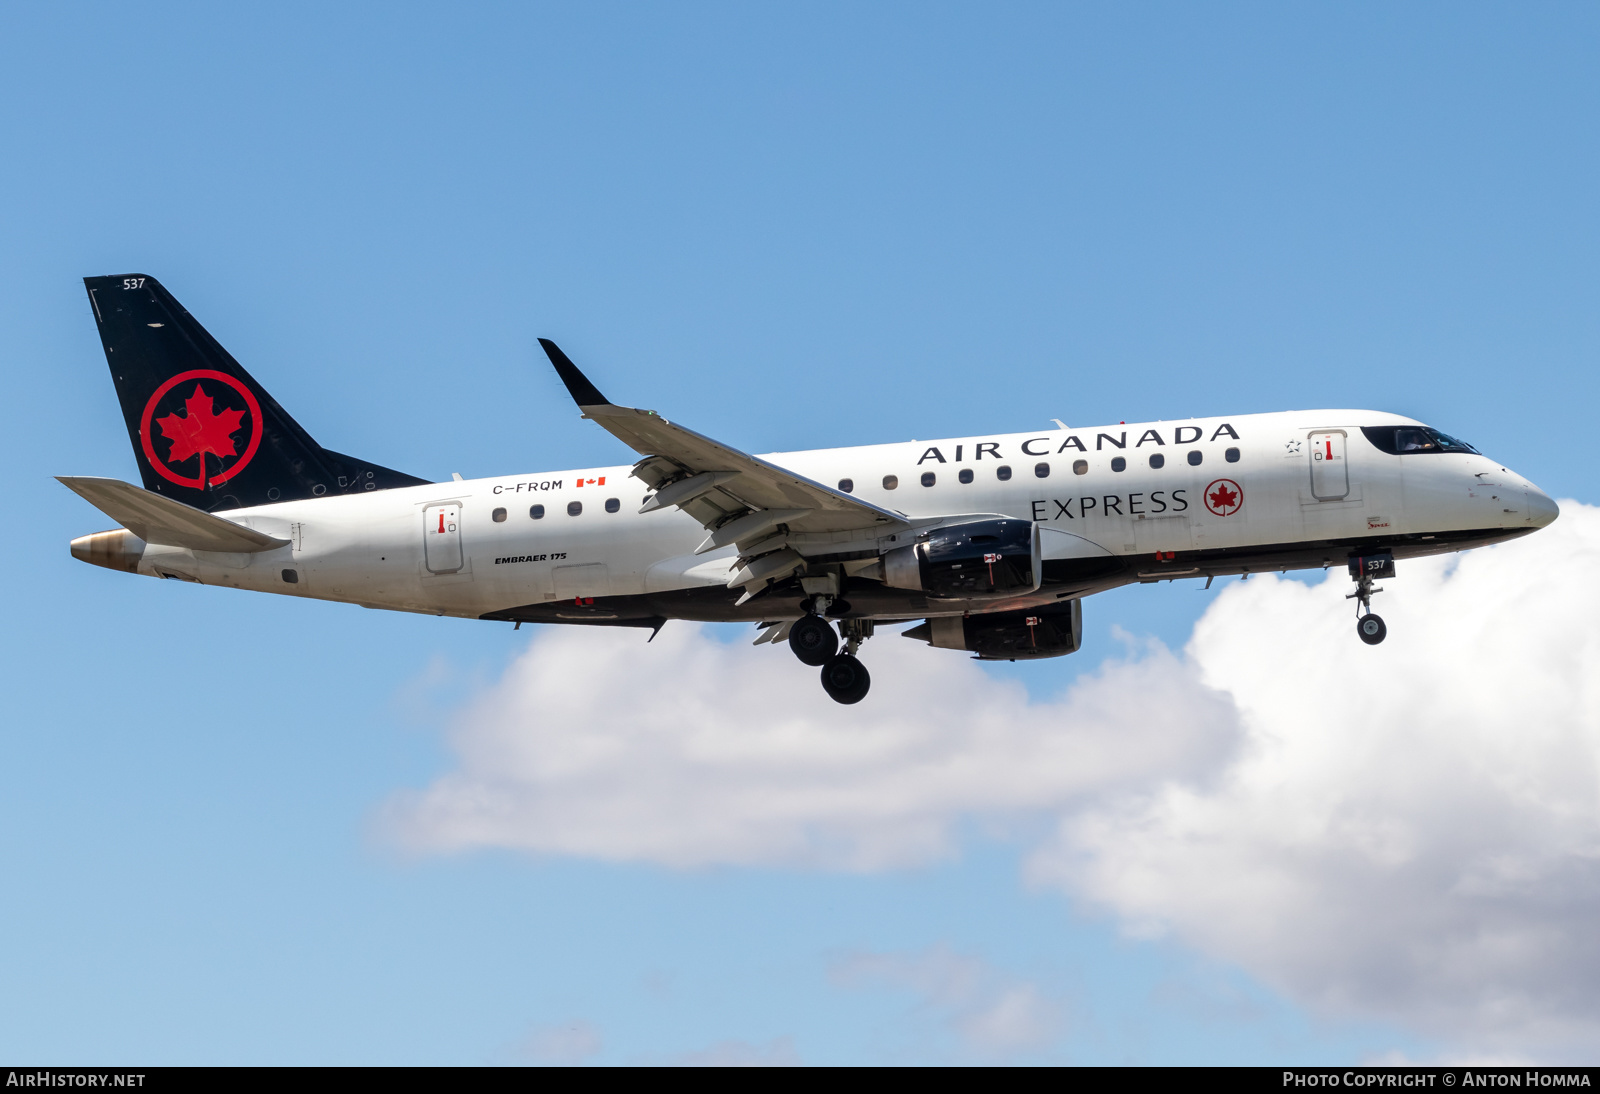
(156, 519)
(737, 497)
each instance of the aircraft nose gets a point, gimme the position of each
(1541, 508)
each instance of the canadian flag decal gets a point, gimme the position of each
(601, 481)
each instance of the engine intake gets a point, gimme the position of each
(1052, 631)
(978, 559)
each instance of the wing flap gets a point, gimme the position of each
(745, 485)
(758, 484)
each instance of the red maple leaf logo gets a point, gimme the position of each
(1223, 498)
(202, 430)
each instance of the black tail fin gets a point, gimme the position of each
(203, 431)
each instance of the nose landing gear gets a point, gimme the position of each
(1364, 569)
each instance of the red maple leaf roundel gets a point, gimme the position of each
(202, 431)
(1223, 497)
(202, 428)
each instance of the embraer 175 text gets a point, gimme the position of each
(992, 541)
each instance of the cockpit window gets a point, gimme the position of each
(1408, 440)
(1448, 443)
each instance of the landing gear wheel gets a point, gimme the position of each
(1371, 629)
(845, 679)
(813, 640)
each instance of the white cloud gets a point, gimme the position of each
(1409, 831)
(569, 1042)
(691, 752)
(775, 1053)
(990, 1012)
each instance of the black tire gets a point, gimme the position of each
(845, 679)
(813, 640)
(1371, 629)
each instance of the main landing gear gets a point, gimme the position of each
(815, 643)
(845, 679)
(1370, 628)
(812, 640)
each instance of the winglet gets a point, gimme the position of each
(583, 392)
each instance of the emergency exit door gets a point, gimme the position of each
(441, 538)
(1330, 474)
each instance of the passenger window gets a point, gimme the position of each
(574, 508)
(499, 516)
(1157, 460)
(891, 481)
(847, 485)
(1080, 467)
(929, 478)
(1231, 455)
(612, 505)
(1041, 470)
(1119, 464)
(1003, 473)
(1195, 458)
(537, 512)
(966, 474)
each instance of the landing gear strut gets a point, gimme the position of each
(816, 643)
(844, 677)
(1370, 628)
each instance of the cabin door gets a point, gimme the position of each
(1330, 474)
(441, 538)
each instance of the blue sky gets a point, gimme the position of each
(795, 228)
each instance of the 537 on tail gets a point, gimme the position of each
(992, 542)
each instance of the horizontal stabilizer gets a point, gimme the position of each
(157, 519)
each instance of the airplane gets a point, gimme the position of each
(989, 544)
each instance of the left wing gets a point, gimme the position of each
(738, 498)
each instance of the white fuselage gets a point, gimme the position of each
(1281, 492)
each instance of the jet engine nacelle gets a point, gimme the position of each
(970, 561)
(1052, 631)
